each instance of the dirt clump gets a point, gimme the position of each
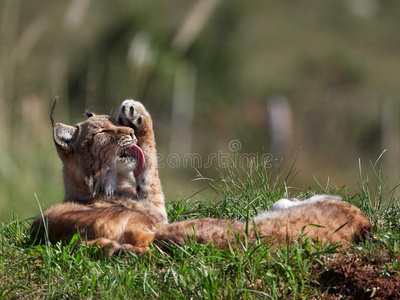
(359, 275)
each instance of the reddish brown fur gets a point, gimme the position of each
(129, 219)
(120, 221)
(133, 114)
(281, 226)
(99, 203)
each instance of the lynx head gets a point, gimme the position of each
(94, 152)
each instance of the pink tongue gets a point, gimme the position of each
(138, 153)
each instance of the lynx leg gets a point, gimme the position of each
(130, 248)
(139, 235)
(106, 245)
(148, 186)
(112, 248)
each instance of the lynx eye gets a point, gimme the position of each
(103, 131)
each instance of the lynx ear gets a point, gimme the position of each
(64, 135)
(89, 114)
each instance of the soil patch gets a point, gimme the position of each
(360, 276)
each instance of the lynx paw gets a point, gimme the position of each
(133, 114)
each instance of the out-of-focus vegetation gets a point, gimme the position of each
(208, 71)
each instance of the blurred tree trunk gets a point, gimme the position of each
(193, 24)
(8, 40)
(280, 125)
(185, 76)
(182, 109)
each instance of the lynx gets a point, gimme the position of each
(100, 158)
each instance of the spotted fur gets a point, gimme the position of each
(106, 210)
(323, 218)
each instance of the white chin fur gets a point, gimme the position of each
(126, 169)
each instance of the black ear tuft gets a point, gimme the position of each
(89, 114)
(53, 107)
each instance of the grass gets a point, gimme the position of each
(301, 271)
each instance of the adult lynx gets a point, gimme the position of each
(100, 156)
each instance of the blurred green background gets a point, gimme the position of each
(317, 79)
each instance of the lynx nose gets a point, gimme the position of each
(127, 131)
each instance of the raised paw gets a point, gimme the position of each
(133, 114)
(148, 186)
